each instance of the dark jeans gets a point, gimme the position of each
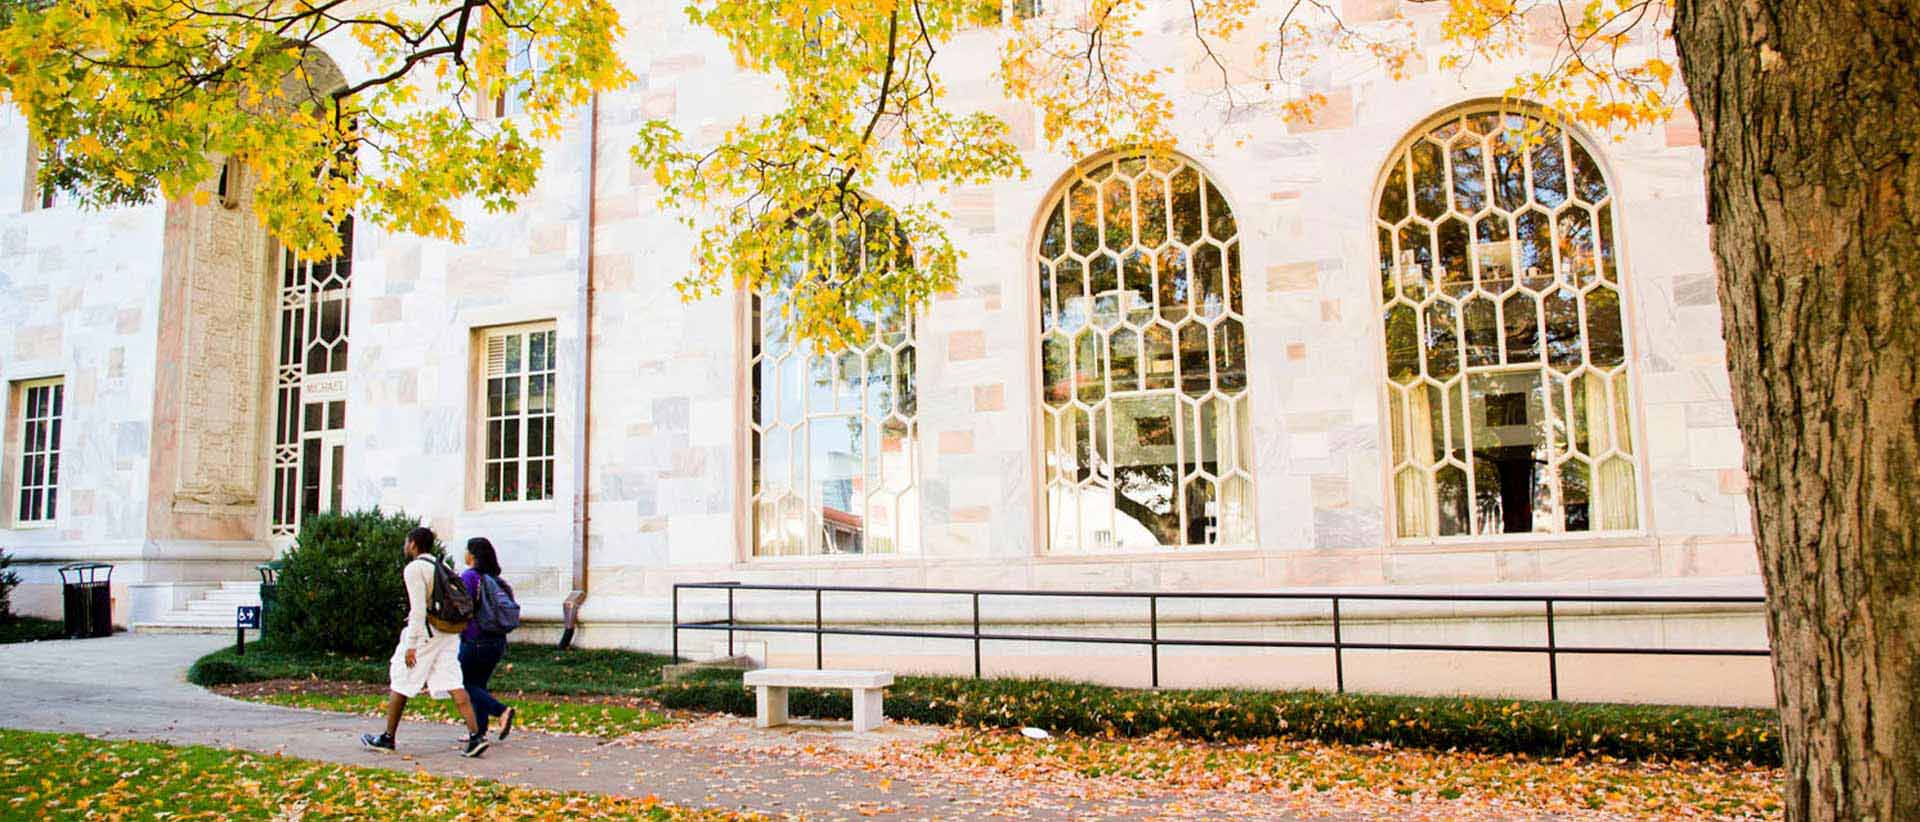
(478, 658)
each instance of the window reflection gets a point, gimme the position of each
(1145, 428)
(1506, 354)
(834, 457)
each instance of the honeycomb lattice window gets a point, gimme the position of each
(835, 437)
(1507, 387)
(1145, 419)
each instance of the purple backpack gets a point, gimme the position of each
(497, 612)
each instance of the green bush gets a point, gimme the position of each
(8, 581)
(30, 629)
(527, 667)
(270, 660)
(339, 586)
(1457, 723)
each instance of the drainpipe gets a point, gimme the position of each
(583, 389)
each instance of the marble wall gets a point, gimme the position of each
(666, 477)
(78, 300)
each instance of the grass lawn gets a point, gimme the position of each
(527, 667)
(599, 719)
(65, 775)
(30, 629)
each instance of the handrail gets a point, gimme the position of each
(1553, 650)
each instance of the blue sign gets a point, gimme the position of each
(248, 616)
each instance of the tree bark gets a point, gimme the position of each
(1810, 117)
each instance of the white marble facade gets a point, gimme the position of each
(93, 297)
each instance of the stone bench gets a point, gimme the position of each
(770, 693)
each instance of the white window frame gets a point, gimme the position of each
(1627, 410)
(48, 449)
(489, 365)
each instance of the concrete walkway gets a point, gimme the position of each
(134, 687)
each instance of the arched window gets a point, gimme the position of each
(312, 329)
(1143, 360)
(1505, 343)
(835, 462)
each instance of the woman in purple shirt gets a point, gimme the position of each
(480, 651)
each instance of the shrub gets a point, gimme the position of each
(528, 667)
(8, 581)
(1438, 723)
(339, 586)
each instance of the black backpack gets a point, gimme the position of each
(449, 606)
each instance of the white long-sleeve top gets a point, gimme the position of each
(419, 579)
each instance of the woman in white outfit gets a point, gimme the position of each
(425, 660)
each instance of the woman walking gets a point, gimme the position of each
(484, 641)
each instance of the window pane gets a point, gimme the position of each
(1144, 470)
(1507, 412)
(339, 477)
(310, 479)
(834, 461)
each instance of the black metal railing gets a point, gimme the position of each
(1337, 644)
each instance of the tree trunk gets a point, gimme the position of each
(1810, 116)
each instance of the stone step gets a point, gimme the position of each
(210, 612)
(201, 610)
(227, 599)
(174, 626)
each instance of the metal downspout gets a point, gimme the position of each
(583, 394)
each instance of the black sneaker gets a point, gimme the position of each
(476, 745)
(377, 742)
(506, 722)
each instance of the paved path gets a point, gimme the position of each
(134, 687)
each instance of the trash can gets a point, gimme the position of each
(87, 591)
(269, 590)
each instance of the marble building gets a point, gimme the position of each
(1393, 348)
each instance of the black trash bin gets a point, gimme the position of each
(269, 590)
(87, 589)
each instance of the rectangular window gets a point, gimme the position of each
(1024, 9)
(42, 405)
(509, 96)
(40, 197)
(517, 413)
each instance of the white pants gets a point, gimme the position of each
(435, 669)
